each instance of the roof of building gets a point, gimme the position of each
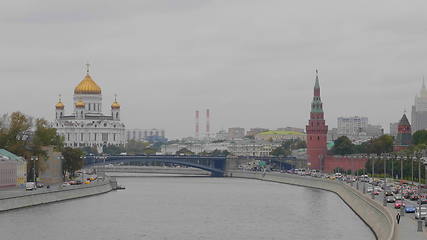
(9, 155)
(80, 104)
(281, 133)
(59, 105)
(87, 86)
(404, 121)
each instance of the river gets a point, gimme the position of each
(190, 208)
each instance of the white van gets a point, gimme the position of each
(30, 186)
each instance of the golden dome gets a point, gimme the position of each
(87, 86)
(59, 105)
(80, 103)
(115, 105)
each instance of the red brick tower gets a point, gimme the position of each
(404, 136)
(317, 132)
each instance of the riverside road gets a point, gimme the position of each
(191, 208)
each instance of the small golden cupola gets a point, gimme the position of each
(87, 85)
(80, 104)
(59, 105)
(115, 104)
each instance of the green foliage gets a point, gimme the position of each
(281, 151)
(420, 137)
(287, 146)
(72, 161)
(89, 150)
(382, 144)
(184, 151)
(135, 147)
(113, 150)
(215, 153)
(343, 146)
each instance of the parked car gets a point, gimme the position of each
(376, 192)
(40, 185)
(29, 186)
(369, 189)
(398, 197)
(409, 209)
(390, 199)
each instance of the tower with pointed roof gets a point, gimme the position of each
(317, 131)
(404, 135)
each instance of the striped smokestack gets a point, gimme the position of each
(197, 124)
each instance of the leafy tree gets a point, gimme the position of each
(420, 137)
(89, 150)
(113, 150)
(184, 151)
(342, 146)
(281, 151)
(150, 151)
(382, 144)
(73, 160)
(135, 147)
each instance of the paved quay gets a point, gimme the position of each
(19, 198)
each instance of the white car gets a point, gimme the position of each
(369, 189)
(29, 186)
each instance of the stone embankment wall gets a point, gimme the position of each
(43, 196)
(379, 219)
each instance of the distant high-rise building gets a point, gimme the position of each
(352, 126)
(150, 135)
(357, 128)
(236, 133)
(419, 110)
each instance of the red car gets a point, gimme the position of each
(399, 204)
(376, 193)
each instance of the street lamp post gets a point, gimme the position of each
(384, 157)
(34, 159)
(373, 172)
(418, 155)
(412, 170)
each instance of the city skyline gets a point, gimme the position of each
(201, 55)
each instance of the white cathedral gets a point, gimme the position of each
(87, 126)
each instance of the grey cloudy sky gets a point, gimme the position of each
(251, 62)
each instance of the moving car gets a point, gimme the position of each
(398, 204)
(390, 199)
(410, 209)
(398, 197)
(388, 193)
(29, 186)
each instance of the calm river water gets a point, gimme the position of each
(190, 208)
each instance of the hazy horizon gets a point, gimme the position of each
(252, 63)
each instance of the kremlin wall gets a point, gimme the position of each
(317, 131)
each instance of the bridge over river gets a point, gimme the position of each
(216, 165)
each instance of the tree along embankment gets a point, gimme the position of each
(44, 196)
(379, 219)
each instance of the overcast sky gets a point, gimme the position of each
(251, 62)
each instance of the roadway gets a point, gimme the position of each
(408, 223)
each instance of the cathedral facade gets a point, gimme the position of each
(87, 126)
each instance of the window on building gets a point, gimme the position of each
(81, 136)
